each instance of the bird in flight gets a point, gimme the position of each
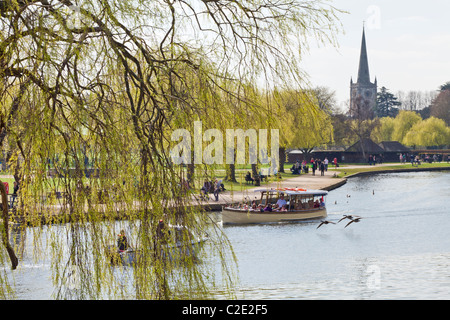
(351, 217)
(324, 222)
(353, 220)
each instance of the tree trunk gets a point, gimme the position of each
(5, 232)
(256, 175)
(231, 173)
(282, 154)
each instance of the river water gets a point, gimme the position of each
(399, 250)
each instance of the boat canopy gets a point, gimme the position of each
(294, 191)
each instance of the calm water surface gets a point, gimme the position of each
(399, 250)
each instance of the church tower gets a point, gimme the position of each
(363, 93)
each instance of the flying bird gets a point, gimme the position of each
(353, 220)
(351, 217)
(324, 222)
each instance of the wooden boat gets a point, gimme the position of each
(301, 204)
(177, 248)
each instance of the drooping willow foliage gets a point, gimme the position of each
(90, 93)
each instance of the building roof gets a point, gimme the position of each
(369, 147)
(393, 146)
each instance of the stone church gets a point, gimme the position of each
(363, 93)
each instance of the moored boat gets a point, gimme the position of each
(278, 205)
(176, 248)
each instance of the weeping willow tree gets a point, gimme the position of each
(305, 125)
(90, 92)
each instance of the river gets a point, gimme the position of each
(399, 250)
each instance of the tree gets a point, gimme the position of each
(440, 108)
(384, 131)
(428, 133)
(304, 124)
(387, 104)
(404, 121)
(112, 79)
(445, 86)
(416, 101)
(362, 122)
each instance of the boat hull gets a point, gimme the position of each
(235, 216)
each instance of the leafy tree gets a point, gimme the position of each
(403, 123)
(304, 124)
(427, 133)
(445, 86)
(112, 79)
(384, 131)
(440, 108)
(387, 104)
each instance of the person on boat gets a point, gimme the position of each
(122, 242)
(268, 208)
(316, 204)
(322, 203)
(283, 208)
(281, 202)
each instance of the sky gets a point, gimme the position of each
(408, 44)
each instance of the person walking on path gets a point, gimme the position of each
(322, 168)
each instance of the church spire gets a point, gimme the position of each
(363, 72)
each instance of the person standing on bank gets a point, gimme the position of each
(322, 168)
(14, 195)
(216, 189)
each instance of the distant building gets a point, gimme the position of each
(363, 93)
(394, 146)
(384, 151)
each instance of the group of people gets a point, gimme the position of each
(373, 159)
(214, 187)
(417, 159)
(298, 168)
(281, 205)
(315, 164)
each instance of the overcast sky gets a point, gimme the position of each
(408, 45)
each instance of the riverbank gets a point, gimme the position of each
(332, 179)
